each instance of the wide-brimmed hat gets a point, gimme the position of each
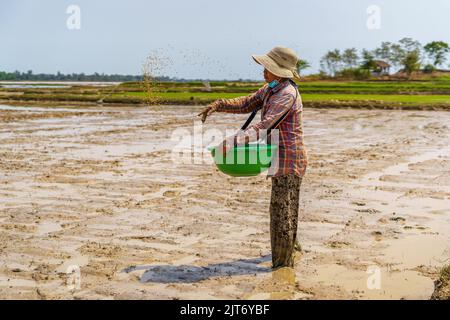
(280, 61)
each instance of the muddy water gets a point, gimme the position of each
(97, 188)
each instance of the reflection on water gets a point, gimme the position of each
(32, 86)
(283, 280)
(279, 286)
(43, 109)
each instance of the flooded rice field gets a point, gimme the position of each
(93, 194)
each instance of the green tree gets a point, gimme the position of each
(332, 61)
(350, 57)
(384, 51)
(390, 52)
(302, 65)
(368, 60)
(437, 51)
(410, 45)
(410, 54)
(411, 62)
(396, 53)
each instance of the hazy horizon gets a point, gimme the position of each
(201, 39)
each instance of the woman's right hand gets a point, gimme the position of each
(210, 109)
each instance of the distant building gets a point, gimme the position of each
(382, 68)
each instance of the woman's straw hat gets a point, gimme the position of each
(280, 61)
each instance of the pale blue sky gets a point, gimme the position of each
(203, 38)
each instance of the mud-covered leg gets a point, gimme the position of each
(295, 203)
(284, 219)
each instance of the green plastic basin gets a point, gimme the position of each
(245, 161)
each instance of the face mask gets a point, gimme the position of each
(273, 84)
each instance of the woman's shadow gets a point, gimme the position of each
(191, 274)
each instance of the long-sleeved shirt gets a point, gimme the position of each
(274, 103)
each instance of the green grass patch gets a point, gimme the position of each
(432, 93)
(211, 96)
(413, 99)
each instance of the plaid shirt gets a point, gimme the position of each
(292, 156)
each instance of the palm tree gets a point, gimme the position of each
(302, 65)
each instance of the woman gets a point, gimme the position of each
(281, 106)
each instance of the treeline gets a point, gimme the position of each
(406, 55)
(95, 77)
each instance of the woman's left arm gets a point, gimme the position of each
(244, 104)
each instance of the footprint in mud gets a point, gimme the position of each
(415, 227)
(337, 244)
(368, 210)
(397, 219)
(171, 193)
(378, 235)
